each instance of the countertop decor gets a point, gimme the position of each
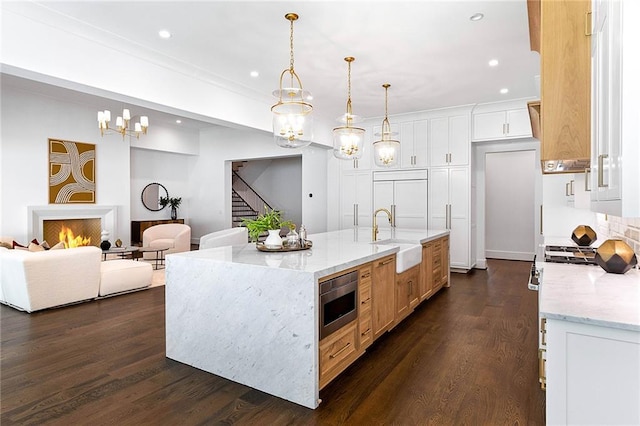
(584, 235)
(616, 256)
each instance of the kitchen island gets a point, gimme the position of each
(253, 317)
(590, 344)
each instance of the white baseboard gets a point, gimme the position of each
(509, 255)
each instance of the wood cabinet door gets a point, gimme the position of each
(565, 62)
(426, 280)
(383, 294)
(444, 278)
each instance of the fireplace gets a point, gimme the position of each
(90, 220)
(73, 232)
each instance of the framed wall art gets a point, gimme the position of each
(72, 172)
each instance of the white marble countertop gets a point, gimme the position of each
(331, 252)
(587, 294)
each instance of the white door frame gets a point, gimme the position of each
(479, 152)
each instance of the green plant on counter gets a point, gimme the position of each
(173, 202)
(271, 219)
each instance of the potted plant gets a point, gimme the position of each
(270, 221)
(174, 203)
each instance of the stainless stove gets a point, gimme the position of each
(570, 254)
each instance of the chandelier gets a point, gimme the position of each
(292, 120)
(386, 150)
(348, 141)
(122, 124)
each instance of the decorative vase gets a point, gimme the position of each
(584, 235)
(105, 245)
(615, 256)
(273, 241)
(174, 213)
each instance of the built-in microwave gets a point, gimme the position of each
(338, 302)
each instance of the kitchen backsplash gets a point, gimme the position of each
(626, 229)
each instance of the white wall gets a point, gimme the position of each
(28, 121)
(210, 175)
(559, 217)
(169, 169)
(510, 205)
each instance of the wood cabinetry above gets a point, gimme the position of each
(565, 60)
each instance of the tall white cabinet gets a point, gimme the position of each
(449, 208)
(450, 181)
(615, 89)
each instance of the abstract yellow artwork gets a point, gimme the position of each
(72, 172)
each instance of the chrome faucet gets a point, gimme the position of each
(375, 222)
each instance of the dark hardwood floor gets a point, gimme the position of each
(468, 356)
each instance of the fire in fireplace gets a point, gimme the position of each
(72, 232)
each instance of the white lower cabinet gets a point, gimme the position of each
(592, 374)
(404, 193)
(449, 208)
(355, 199)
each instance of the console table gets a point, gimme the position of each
(138, 227)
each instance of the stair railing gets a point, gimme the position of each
(248, 194)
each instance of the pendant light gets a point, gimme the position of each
(348, 141)
(386, 151)
(292, 120)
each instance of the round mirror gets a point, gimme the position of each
(151, 196)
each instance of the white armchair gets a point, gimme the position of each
(226, 237)
(176, 236)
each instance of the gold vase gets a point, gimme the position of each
(616, 256)
(584, 235)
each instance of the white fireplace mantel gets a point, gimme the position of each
(38, 214)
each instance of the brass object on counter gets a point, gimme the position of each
(584, 235)
(616, 256)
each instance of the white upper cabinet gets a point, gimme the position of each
(504, 120)
(449, 139)
(615, 110)
(413, 144)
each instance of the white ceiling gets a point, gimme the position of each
(429, 51)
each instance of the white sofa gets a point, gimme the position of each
(31, 281)
(226, 237)
(176, 236)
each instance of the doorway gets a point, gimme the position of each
(510, 205)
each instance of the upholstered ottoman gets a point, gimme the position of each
(121, 275)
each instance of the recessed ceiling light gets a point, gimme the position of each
(178, 121)
(476, 16)
(254, 74)
(493, 63)
(504, 91)
(164, 34)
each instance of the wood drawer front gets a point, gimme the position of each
(365, 272)
(337, 351)
(365, 330)
(364, 293)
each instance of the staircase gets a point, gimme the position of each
(240, 209)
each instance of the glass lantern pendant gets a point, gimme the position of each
(386, 151)
(348, 141)
(292, 120)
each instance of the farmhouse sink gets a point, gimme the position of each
(409, 255)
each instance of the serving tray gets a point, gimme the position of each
(307, 245)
